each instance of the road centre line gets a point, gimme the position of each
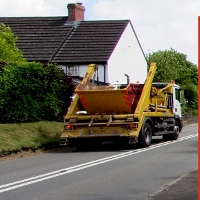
(39, 178)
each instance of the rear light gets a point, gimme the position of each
(130, 126)
(69, 127)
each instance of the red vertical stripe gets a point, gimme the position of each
(198, 105)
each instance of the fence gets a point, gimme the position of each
(188, 116)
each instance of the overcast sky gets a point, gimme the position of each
(159, 24)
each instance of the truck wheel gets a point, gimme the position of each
(145, 136)
(173, 136)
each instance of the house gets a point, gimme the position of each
(73, 43)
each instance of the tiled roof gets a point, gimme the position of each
(38, 37)
(91, 41)
(57, 40)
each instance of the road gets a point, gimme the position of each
(108, 174)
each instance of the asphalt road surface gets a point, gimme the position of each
(105, 174)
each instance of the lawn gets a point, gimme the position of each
(32, 135)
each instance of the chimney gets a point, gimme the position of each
(76, 12)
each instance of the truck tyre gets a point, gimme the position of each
(145, 136)
(174, 135)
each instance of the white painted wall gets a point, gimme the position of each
(127, 58)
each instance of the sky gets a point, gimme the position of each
(159, 24)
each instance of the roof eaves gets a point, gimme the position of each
(138, 41)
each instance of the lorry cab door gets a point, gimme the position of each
(177, 100)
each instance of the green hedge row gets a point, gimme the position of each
(33, 92)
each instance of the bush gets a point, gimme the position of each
(31, 92)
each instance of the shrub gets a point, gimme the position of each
(31, 92)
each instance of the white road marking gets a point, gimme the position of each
(39, 178)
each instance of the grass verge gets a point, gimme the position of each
(22, 136)
(36, 135)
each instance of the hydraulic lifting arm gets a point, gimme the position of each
(86, 79)
(143, 103)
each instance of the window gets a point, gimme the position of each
(177, 93)
(72, 70)
(62, 67)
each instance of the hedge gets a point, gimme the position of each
(33, 92)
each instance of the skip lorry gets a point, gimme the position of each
(126, 113)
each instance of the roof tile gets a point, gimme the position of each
(91, 41)
(43, 35)
(54, 39)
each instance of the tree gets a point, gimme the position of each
(173, 65)
(8, 50)
(30, 91)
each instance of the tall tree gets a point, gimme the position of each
(8, 50)
(173, 65)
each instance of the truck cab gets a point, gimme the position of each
(175, 99)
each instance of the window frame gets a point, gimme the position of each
(74, 70)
